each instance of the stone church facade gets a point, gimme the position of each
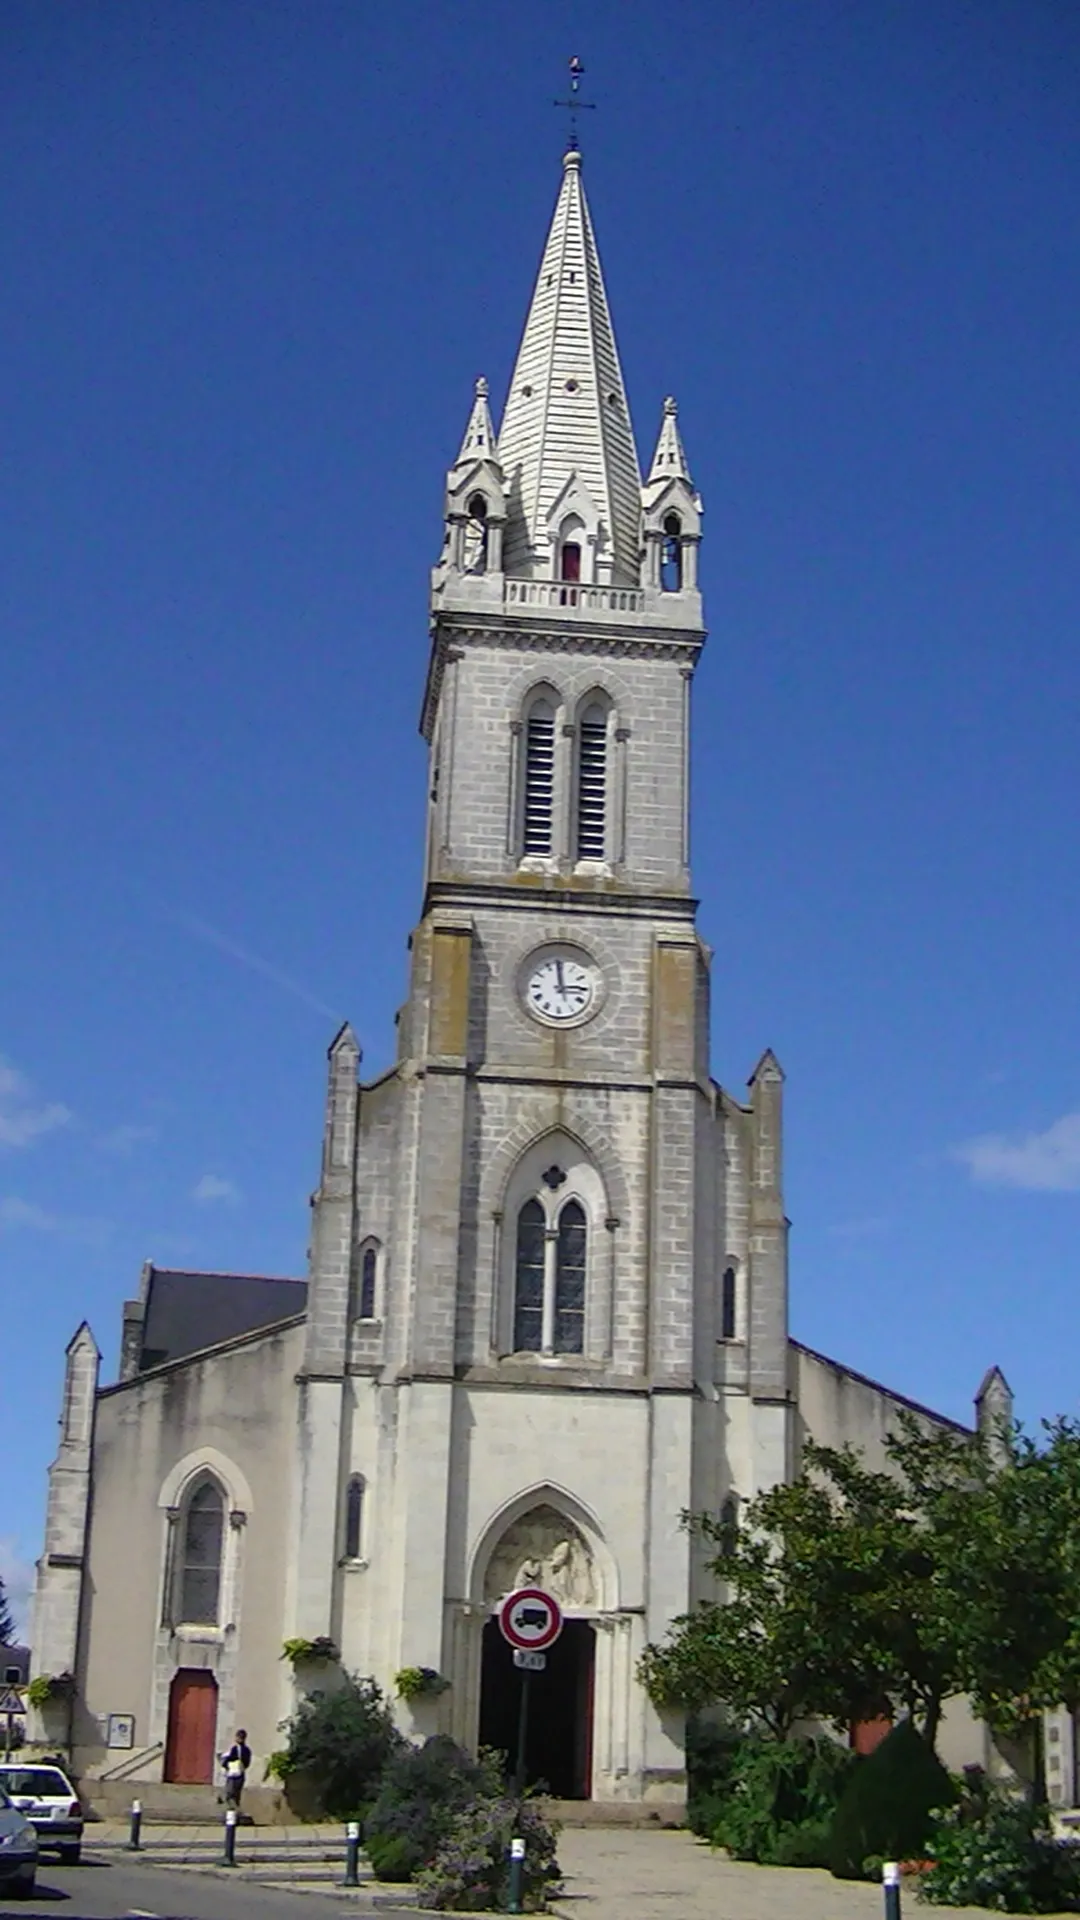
(547, 1305)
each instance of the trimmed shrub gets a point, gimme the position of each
(421, 1789)
(887, 1808)
(996, 1852)
(780, 1801)
(471, 1869)
(711, 1752)
(339, 1743)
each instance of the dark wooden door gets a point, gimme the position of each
(189, 1750)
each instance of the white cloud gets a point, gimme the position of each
(865, 1227)
(123, 1139)
(212, 1187)
(25, 1213)
(1047, 1162)
(21, 1121)
(18, 1577)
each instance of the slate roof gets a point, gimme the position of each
(186, 1312)
(566, 411)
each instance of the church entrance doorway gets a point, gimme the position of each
(189, 1748)
(558, 1745)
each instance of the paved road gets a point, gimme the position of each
(107, 1891)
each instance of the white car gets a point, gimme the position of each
(45, 1796)
(18, 1850)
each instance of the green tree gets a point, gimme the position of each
(341, 1740)
(833, 1599)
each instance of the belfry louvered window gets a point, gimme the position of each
(592, 785)
(539, 777)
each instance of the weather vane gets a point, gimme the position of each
(575, 105)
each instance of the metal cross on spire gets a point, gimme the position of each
(575, 105)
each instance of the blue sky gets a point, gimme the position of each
(256, 254)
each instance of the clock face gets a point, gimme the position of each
(560, 987)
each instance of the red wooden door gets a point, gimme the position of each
(189, 1750)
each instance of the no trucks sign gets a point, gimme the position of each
(530, 1619)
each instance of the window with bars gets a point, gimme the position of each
(592, 784)
(200, 1558)
(539, 777)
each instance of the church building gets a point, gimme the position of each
(547, 1304)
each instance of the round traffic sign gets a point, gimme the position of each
(530, 1618)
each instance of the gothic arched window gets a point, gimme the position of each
(549, 1279)
(570, 1255)
(727, 1304)
(592, 783)
(539, 777)
(354, 1517)
(476, 535)
(671, 554)
(369, 1268)
(729, 1526)
(199, 1584)
(529, 1279)
(570, 560)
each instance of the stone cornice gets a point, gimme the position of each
(453, 634)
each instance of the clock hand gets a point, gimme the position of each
(559, 976)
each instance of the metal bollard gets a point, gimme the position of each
(228, 1858)
(134, 1842)
(352, 1854)
(890, 1880)
(517, 1873)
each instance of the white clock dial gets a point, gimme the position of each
(560, 988)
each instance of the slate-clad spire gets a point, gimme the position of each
(567, 444)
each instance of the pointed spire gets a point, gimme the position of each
(669, 460)
(479, 441)
(567, 417)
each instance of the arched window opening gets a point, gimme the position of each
(529, 1283)
(354, 1517)
(729, 1526)
(570, 560)
(570, 1280)
(369, 1267)
(727, 1304)
(592, 785)
(200, 1557)
(476, 535)
(539, 777)
(671, 555)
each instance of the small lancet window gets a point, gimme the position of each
(671, 555)
(476, 535)
(592, 784)
(570, 1280)
(529, 1290)
(369, 1269)
(354, 1517)
(727, 1304)
(539, 777)
(729, 1526)
(200, 1558)
(570, 560)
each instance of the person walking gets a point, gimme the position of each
(236, 1763)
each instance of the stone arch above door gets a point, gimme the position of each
(545, 1537)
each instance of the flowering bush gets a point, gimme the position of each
(471, 1869)
(994, 1851)
(421, 1791)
